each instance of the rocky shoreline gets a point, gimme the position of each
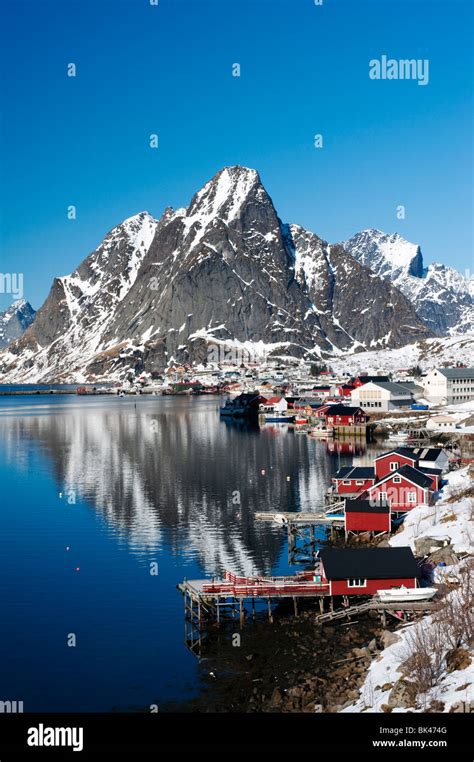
(292, 665)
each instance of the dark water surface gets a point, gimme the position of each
(94, 491)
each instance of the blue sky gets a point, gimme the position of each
(143, 69)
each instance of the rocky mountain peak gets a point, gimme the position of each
(15, 320)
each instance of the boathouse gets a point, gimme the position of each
(352, 480)
(402, 489)
(363, 571)
(344, 415)
(362, 516)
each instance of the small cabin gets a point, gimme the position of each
(403, 489)
(362, 516)
(352, 480)
(363, 571)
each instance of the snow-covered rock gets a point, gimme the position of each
(15, 320)
(441, 296)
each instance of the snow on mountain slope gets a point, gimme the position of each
(429, 353)
(441, 296)
(14, 321)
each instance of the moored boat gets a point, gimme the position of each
(404, 594)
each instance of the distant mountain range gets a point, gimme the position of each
(441, 296)
(14, 321)
(226, 271)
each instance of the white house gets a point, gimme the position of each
(431, 457)
(443, 423)
(381, 395)
(447, 386)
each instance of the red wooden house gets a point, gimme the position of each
(344, 415)
(352, 480)
(362, 516)
(393, 460)
(402, 489)
(354, 571)
(435, 475)
(344, 390)
(361, 380)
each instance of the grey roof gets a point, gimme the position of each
(364, 506)
(414, 475)
(355, 472)
(391, 386)
(369, 563)
(456, 372)
(427, 453)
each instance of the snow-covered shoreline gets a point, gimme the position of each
(390, 685)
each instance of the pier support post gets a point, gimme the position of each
(270, 613)
(241, 611)
(295, 605)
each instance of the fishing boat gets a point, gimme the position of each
(404, 594)
(320, 432)
(399, 436)
(278, 418)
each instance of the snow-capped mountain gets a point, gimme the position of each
(223, 270)
(14, 321)
(442, 297)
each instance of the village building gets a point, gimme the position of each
(447, 386)
(345, 415)
(354, 571)
(443, 423)
(274, 405)
(362, 516)
(402, 489)
(352, 480)
(382, 395)
(393, 460)
(365, 379)
(432, 457)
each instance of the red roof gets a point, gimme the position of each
(273, 400)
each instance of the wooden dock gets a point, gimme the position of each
(306, 518)
(229, 603)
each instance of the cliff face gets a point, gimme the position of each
(223, 270)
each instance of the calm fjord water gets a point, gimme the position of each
(153, 480)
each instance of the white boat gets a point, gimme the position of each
(399, 436)
(400, 594)
(319, 432)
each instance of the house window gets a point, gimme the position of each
(347, 482)
(393, 465)
(357, 582)
(397, 479)
(411, 497)
(359, 481)
(383, 497)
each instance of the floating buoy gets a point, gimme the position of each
(67, 547)
(78, 568)
(288, 478)
(262, 472)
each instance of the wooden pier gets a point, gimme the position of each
(301, 529)
(205, 607)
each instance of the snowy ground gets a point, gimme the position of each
(452, 522)
(427, 354)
